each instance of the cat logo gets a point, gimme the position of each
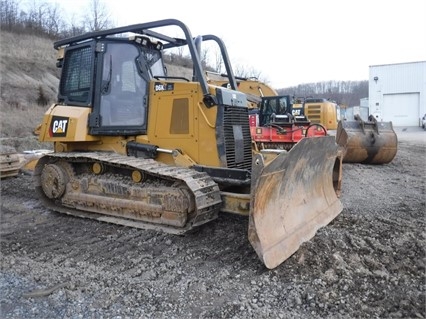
(58, 126)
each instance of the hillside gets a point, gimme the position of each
(29, 81)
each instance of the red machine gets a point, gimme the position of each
(278, 124)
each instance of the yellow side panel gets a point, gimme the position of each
(66, 124)
(178, 119)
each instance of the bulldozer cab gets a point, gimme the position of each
(119, 98)
(123, 91)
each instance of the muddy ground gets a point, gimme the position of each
(368, 263)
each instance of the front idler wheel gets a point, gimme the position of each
(53, 181)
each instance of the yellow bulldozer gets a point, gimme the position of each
(137, 146)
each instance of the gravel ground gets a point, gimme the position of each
(368, 263)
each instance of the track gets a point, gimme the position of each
(172, 199)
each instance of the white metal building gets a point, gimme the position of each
(397, 92)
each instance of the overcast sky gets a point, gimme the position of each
(295, 41)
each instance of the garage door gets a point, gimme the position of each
(401, 109)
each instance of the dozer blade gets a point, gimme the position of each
(369, 142)
(293, 196)
(29, 160)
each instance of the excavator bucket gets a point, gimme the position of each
(293, 196)
(367, 142)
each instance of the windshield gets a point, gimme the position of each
(123, 91)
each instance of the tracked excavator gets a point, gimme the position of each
(322, 111)
(137, 146)
(276, 122)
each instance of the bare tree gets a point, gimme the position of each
(8, 14)
(343, 92)
(37, 16)
(73, 28)
(218, 61)
(248, 72)
(204, 54)
(54, 22)
(98, 17)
